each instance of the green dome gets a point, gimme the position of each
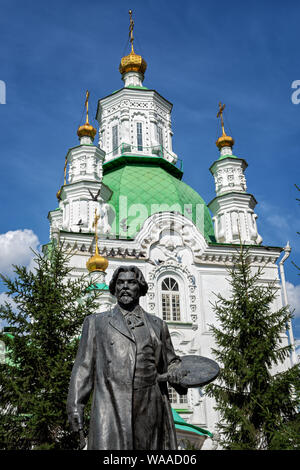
(143, 186)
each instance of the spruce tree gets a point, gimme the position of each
(254, 404)
(44, 326)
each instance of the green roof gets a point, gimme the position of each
(137, 87)
(148, 185)
(98, 286)
(226, 156)
(184, 426)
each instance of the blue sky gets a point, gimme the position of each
(198, 53)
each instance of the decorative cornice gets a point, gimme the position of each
(227, 254)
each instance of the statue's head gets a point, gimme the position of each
(128, 285)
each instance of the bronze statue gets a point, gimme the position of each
(125, 357)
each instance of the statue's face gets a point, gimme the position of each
(127, 288)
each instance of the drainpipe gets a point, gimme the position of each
(287, 250)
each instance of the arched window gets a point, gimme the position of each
(170, 299)
(115, 139)
(175, 398)
(139, 136)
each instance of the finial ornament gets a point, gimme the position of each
(132, 62)
(225, 140)
(96, 262)
(65, 171)
(95, 226)
(131, 26)
(87, 130)
(220, 115)
(86, 104)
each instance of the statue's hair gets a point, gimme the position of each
(138, 274)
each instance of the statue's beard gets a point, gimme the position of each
(126, 298)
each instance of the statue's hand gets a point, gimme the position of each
(75, 422)
(175, 376)
(77, 427)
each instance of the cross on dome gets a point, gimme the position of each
(132, 62)
(87, 130)
(96, 262)
(225, 140)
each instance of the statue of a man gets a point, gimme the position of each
(121, 356)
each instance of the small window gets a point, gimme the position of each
(175, 398)
(170, 300)
(139, 135)
(115, 139)
(160, 136)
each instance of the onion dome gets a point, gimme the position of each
(97, 263)
(132, 63)
(225, 141)
(87, 130)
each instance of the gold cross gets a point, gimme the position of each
(131, 26)
(220, 115)
(95, 224)
(65, 171)
(86, 104)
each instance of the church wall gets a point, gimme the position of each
(197, 284)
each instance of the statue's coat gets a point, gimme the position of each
(105, 364)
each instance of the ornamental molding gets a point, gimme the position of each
(139, 114)
(170, 267)
(139, 104)
(85, 247)
(230, 258)
(174, 222)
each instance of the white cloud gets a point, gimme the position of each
(15, 249)
(293, 294)
(278, 221)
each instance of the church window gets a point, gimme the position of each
(175, 398)
(115, 139)
(170, 300)
(160, 136)
(139, 135)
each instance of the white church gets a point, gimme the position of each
(123, 202)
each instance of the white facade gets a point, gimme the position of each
(233, 209)
(122, 112)
(199, 275)
(168, 245)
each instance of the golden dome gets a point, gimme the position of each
(133, 63)
(97, 263)
(224, 141)
(58, 194)
(87, 130)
